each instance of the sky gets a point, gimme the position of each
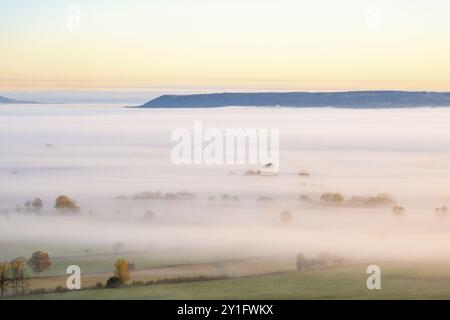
(241, 44)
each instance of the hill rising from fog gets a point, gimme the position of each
(350, 99)
(4, 100)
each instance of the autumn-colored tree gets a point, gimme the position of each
(122, 271)
(18, 272)
(66, 203)
(5, 278)
(39, 261)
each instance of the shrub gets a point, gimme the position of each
(382, 199)
(304, 173)
(149, 215)
(337, 260)
(325, 257)
(60, 289)
(322, 260)
(228, 197)
(146, 195)
(266, 199)
(332, 198)
(113, 282)
(330, 260)
(182, 279)
(316, 263)
(184, 195)
(398, 211)
(286, 216)
(442, 211)
(149, 195)
(304, 197)
(38, 291)
(251, 172)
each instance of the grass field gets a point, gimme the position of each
(97, 269)
(399, 281)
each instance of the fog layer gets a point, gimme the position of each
(104, 156)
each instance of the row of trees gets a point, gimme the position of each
(36, 205)
(381, 199)
(440, 211)
(14, 274)
(324, 259)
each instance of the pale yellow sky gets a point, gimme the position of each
(282, 44)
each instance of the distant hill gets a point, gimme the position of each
(4, 100)
(350, 99)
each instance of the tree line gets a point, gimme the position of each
(15, 273)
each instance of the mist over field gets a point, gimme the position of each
(105, 156)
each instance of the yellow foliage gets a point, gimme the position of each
(122, 271)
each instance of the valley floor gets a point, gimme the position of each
(399, 281)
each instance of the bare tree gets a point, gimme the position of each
(118, 246)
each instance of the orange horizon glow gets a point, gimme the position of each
(255, 45)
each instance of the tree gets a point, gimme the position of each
(37, 204)
(27, 204)
(118, 246)
(4, 277)
(302, 261)
(442, 211)
(64, 202)
(18, 272)
(39, 261)
(122, 271)
(149, 215)
(398, 211)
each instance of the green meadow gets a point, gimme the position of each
(399, 281)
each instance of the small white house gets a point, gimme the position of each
(268, 170)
